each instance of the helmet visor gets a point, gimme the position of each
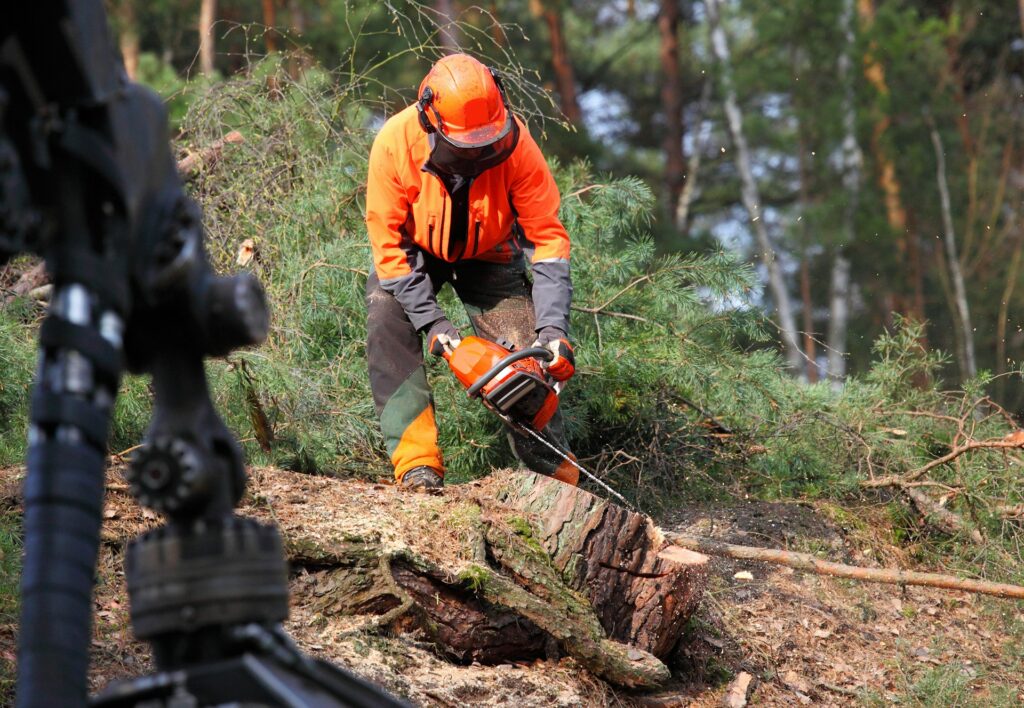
(456, 158)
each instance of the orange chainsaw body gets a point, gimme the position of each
(520, 390)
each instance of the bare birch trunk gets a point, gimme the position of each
(749, 190)
(963, 314)
(693, 163)
(671, 104)
(853, 160)
(207, 14)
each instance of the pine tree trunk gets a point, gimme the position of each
(642, 591)
(270, 25)
(907, 244)
(671, 104)
(750, 193)
(128, 39)
(810, 352)
(807, 304)
(448, 28)
(853, 160)
(207, 39)
(962, 315)
(297, 60)
(561, 64)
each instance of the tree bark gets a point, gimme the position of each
(1004, 313)
(907, 245)
(962, 315)
(682, 216)
(810, 352)
(207, 39)
(671, 105)
(853, 160)
(642, 592)
(561, 63)
(297, 60)
(750, 193)
(447, 26)
(128, 37)
(34, 277)
(270, 25)
(189, 165)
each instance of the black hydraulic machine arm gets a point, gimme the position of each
(88, 182)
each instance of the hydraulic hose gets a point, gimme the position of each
(71, 406)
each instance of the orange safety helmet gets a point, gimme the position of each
(468, 102)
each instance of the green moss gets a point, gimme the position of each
(474, 577)
(526, 531)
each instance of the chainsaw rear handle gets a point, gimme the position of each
(536, 352)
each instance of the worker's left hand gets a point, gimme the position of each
(563, 366)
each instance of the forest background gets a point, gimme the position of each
(797, 230)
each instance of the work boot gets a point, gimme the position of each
(422, 477)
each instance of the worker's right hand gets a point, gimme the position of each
(442, 336)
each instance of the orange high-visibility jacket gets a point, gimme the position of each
(408, 214)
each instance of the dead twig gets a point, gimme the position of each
(812, 564)
(1014, 440)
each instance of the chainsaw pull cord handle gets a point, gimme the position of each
(537, 352)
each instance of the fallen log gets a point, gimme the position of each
(470, 571)
(511, 568)
(29, 280)
(813, 564)
(191, 163)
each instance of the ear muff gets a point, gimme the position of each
(426, 99)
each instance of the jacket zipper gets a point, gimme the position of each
(476, 239)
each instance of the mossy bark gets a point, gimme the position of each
(642, 589)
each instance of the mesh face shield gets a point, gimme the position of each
(450, 157)
(467, 158)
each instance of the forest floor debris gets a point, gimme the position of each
(802, 638)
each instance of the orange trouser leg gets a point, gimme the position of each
(399, 384)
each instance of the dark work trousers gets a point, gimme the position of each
(497, 297)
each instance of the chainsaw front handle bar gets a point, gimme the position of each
(537, 352)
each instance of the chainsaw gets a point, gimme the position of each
(514, 385)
